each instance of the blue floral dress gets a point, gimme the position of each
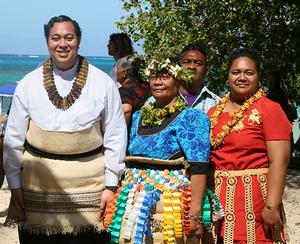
(187, 131)
(155, 193)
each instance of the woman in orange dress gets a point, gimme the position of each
(250, 138)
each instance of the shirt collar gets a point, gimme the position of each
(205, 91)
(66, 74)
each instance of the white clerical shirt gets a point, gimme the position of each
(99, 102)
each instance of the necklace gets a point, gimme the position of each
(58, 101)
(154, 116)
(218, 141)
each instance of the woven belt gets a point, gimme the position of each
(228, 173)
(153, 163)
(36, 152)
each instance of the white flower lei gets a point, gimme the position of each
(176, 71)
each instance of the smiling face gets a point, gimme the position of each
(243, 78)
(63, 45)
(164, 88)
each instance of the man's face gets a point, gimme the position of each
(195, 61)
(63, 45)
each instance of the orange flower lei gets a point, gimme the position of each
(218, 141)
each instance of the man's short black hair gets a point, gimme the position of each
(195, 46)
(58, 19)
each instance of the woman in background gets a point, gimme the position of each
(250, 139)
(119, 46)
(134, 91)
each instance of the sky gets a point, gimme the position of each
(21, 24)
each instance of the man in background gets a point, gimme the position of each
(196, 94)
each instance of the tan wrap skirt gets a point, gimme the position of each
(62, 196)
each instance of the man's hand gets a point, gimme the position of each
(17, 201)
(106, 197)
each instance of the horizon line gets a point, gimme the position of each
(32, 54)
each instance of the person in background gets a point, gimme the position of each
(1, 163)
(277, 94)
(1, 147)
(119, 45)
(196, 94)
(134, 90)
(64, 144)
(158, 202)
(250, 149)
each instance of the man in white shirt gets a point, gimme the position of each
(64, 143)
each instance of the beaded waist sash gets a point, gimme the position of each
(146, 193)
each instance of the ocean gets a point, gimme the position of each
(13, 67)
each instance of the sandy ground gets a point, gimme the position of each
(291, 203)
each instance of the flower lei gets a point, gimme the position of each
(218, 141)
(58, 101)
(154, 116)
(178, 72)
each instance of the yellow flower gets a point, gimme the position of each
(172, 109)
(254, 117)
(236, 121)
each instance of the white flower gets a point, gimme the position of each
(178, 67)
(152, 65)
(173, 70)
(147, 72)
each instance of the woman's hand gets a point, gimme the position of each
(196, 226)
(198, 187)
(271, 219)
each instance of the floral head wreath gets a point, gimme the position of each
(166, 65)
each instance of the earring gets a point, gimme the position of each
(227, 83)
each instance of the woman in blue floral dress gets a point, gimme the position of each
(163, 197)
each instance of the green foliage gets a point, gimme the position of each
(270, 26)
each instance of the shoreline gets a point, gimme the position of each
(291, 201)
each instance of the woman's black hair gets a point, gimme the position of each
(245, 52)
(122, 43)
(59, 19)
(137, 69)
